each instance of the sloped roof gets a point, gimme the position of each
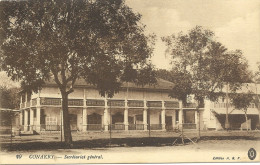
(160, 85)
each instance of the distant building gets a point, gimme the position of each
(133, 108)
(215, 112)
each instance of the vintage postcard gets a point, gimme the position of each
(129, 81)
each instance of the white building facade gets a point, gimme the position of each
(133, 108)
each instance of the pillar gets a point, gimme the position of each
(84, 112)
(25, 120)
(196, 119)
(126, 119)
(61, 121)
(106, 116)
(126, 116)
(84, 119)
(181, 115)
(38, 113)
(21, 101)
(31, 119)
(145, 118)
(38, 119)
(21, 117)
(163, 116)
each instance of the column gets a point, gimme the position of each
(180, 114)
(31, 119)
(25, 120)
(84, 119)
(61, 121)
(21, 101)
(126, 116)
(145, 116)
(38, 115)
(84, 113)
(126, 119)
(106, 116)
(21, 117)
(196, 119)
(26, 97)
(163, 116)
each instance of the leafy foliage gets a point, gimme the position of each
(242, 101)
(100, 41)
(72, 39)
(202, 66)
(9, 98)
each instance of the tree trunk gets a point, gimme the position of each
(198, 121)
(257, 104)
(227, 125)
(246, 122)
(66, 121)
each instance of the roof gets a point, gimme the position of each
(9, 110)
(250, 111)
(160, 85)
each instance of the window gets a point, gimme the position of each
(51, 120)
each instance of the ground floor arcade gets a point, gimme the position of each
(103, 119)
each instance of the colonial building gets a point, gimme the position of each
(215, 112)
(134, 108)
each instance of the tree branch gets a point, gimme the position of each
(55, 73)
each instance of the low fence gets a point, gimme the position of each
(94, 127)
(154, 127)
(189, 126)
(50, 127)
(117, 127)
(136, 127)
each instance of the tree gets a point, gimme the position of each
(68, 40)
(9, 97)
(257, 97)
(242, 101)
(202, 66)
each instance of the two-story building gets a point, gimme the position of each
(133, 108)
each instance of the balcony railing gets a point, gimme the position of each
(23, 105)
(135, 103)
(171, 104)
(50, 127)
(34, 102)
(155, 126)
(136, 127)
(94, 127)
(169, 127)
(116, 103)
(189, 126)
(190, 105)
(222, 105)
(154, 104)
(92, 102)
(117, 127)
(28, 104)
(75, 102)
(50, 101)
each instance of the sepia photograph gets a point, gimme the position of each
(129, 81)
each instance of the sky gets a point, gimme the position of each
(236, 23)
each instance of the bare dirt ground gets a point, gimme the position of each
(203, 151)
(78, 136)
